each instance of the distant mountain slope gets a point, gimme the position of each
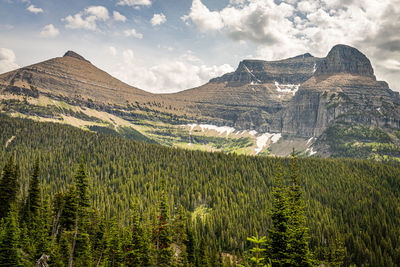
(71, 76)
(263, 107)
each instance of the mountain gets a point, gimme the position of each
(72, 77)
(331, 106)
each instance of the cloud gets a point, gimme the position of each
(134, 3)
(158, 19)
(34, 9)
(7, 60)
(172, 76)
(99, 12)
(49, 31)
(204, 19)
(87, 19)
(287, 28)
(133, 33)
(112, 50)
(118, 16)
(260, 21)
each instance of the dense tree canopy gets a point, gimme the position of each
(350, 206)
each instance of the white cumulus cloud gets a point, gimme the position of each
(49, 31)
(133, 33)
(134, 3)
(158, 19)
(87, 19)
(118, 16)
(7, 60)
(99, 12)
(182, 73)
(34, 9)
(204, 18)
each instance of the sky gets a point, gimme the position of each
(170, 45)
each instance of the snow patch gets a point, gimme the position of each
(315, 67)
(311, 151)
(287, 88)
(263, 139)
(253, 132)
(309, 140)
(220, 129)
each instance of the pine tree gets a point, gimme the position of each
(256, 252)
(69, 209)
(33, 201)
(163, 231)
(203, 257)
(338, 254)
(135, 249)
(83, 203)
(180, 237)
(8, 187)
(9, 240)
(190, 247)
(113, 253)
(278, 234)
(42, 228)
(298, 232)
(82, 253)
(82, 187)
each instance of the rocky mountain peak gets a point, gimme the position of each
(345, 59)
(306, 55)
(73, 54)
(293, 70)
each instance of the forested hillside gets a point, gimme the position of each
(226, 197)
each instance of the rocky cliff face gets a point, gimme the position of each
(300, 96)
(343, 88)
(345, 59)
(288, 71)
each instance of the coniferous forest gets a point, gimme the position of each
(70, 197)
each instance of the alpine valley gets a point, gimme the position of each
(323, 107)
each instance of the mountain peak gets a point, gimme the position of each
(345, 59)
(73, 54)
(306, 55)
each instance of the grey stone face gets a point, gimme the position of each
(345, 59)
(340, 87)
(292, 71)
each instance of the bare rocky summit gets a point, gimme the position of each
(292, 71)
(74, 55)
(345, 59)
